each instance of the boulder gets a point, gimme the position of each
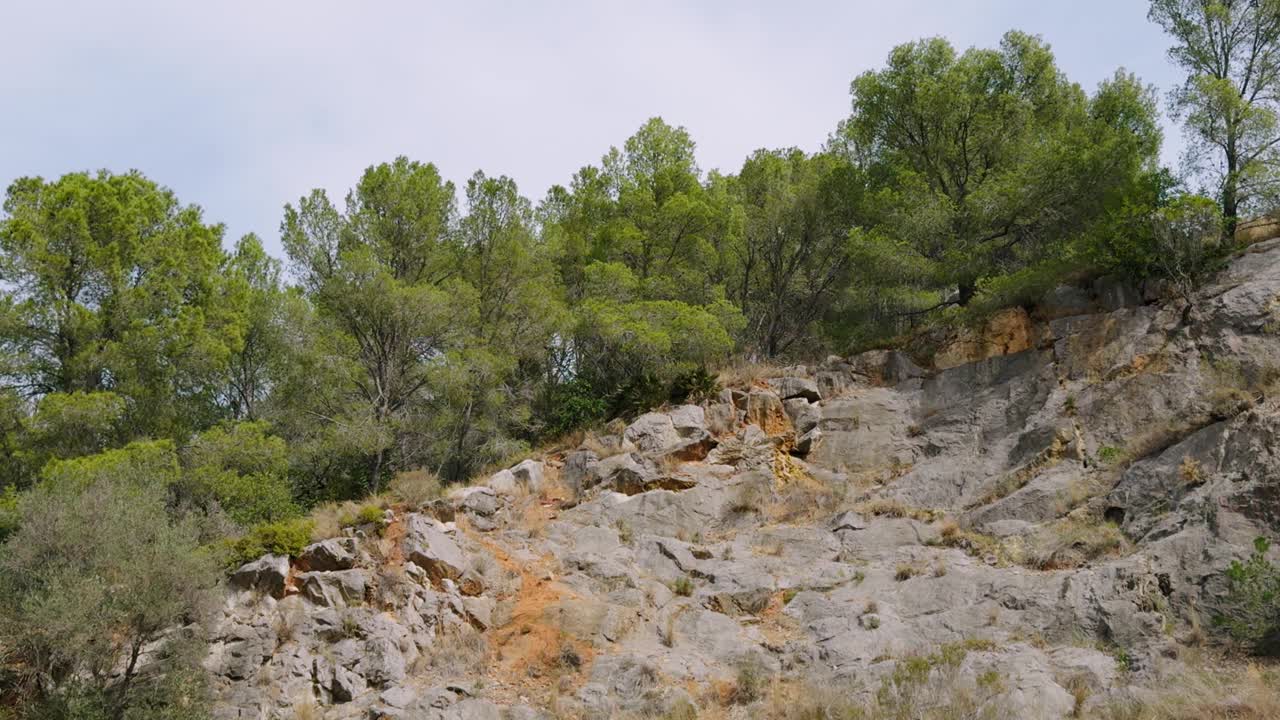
(765, 410)
(651, 432)
(503, 482)
(804, 414)
(267, 574)
(332, 554)
(795, 387)
(426, 545)
(337, 588)
(579, 471)
(530, 473)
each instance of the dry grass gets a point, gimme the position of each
(460, 651)
(889, 507)
(416, 487)
(974, 543)
(743, 373)
(1192, 472)
(1211, 688)
(603, 445)
(1070, 543)
(927, 687)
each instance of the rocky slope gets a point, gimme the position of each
(1037, 530)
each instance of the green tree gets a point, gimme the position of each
(110, 284)
(984, 165)
(483, 393)
(97, 572)
(642, 248)
(794, 256)
(253, 278)
(382, 279)
(1231, 52)
(242, 469)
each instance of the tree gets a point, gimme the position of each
(483, 391)
(793, 258)
(254, 279)
(97, 577)
(110, 284)
(1231, 52)
(640, 244)
(984, 164)
(382, 278)
(240, 469)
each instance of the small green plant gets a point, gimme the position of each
(990, 680)
(369, 514)
(1110, 455)
(872, 622)
(1124, 663)
(749, 683)
(1253, 601)
(285, 537)
(682, 586)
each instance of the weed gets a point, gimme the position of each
(682, 586)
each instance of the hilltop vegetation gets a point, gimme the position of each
(169, 404)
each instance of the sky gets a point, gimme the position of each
(242, 106)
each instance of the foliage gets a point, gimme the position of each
(112, 285)
(1252, 614)
(794, 253)
(984, 164)
(241, 469)
(1231, 52)
(97, 570)
(283, 537)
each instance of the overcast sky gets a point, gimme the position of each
(242, 106)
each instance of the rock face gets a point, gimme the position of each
(1061, 490)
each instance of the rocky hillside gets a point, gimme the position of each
(1034, 528)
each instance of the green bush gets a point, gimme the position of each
(9, 517)
(574, 405)
(243, 470)
(370, 514)
(1252, 614)
(98, 566)
(694, 386)
(284, 537)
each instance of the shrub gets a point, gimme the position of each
(574, 405)
(696, 386)
(97, 570)
(416, 487)
(9, 515)
(369, 514)
(1252, 614)
(682, 586)
(749, 683)
(243, 470)
(284, 537)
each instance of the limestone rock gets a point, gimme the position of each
(426, 544)
(795, 387)
(267, 574)
(332, 554)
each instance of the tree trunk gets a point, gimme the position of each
(1230, 189)
(968, 289)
